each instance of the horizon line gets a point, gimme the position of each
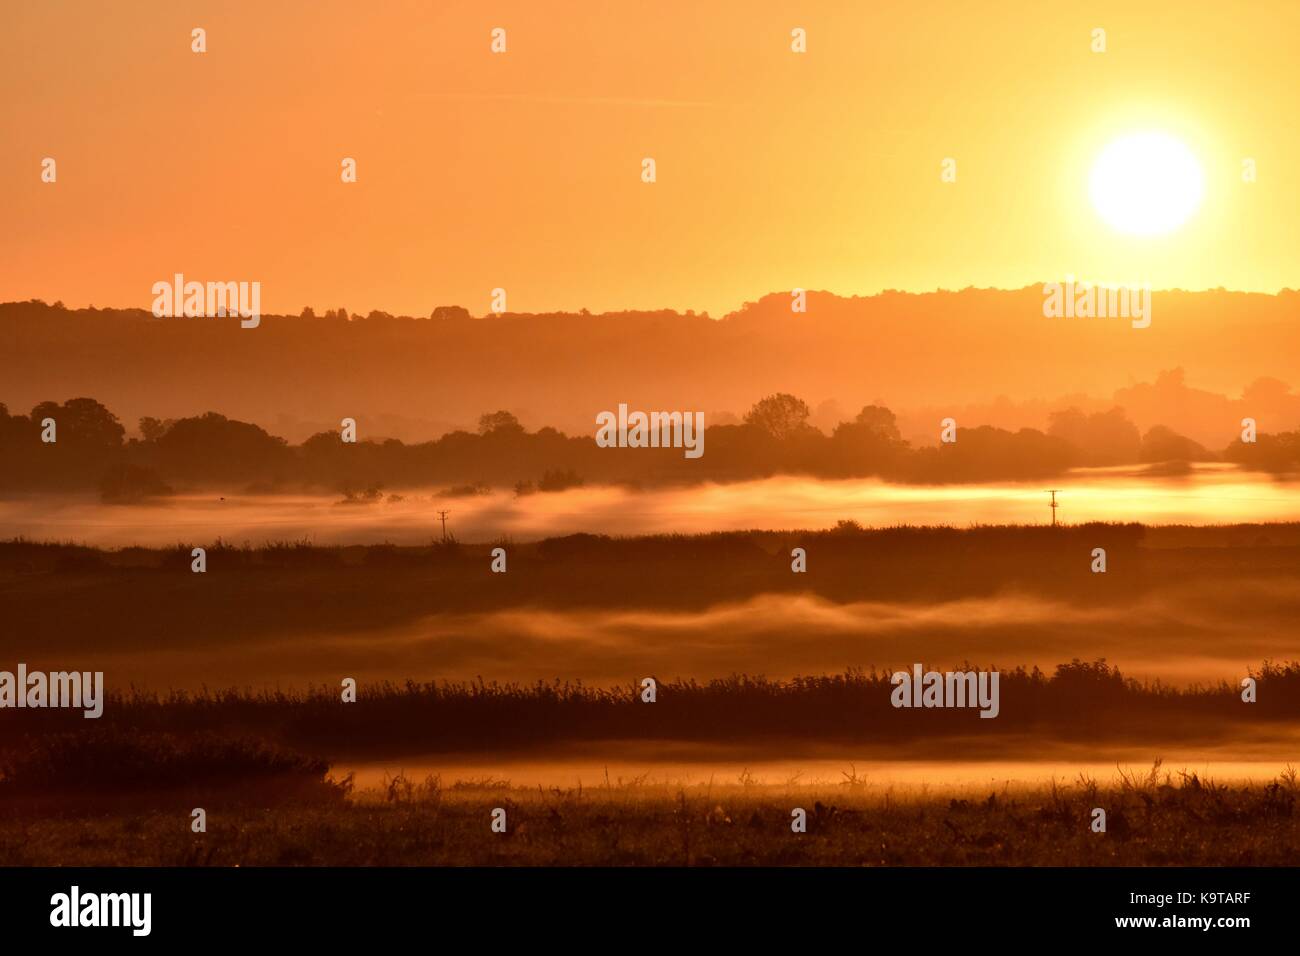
(59, 305)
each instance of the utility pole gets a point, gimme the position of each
(443, 516)
(1052, 492)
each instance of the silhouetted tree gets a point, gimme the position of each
(559, 480)
(1278, 453)
(213, 446)
(1102, 438)
(502, 422)
(151, 429)
(870, 444)
(1164, 444)
(82, 422)
(781, 415)
(879, 421)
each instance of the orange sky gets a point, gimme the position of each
(522, 170)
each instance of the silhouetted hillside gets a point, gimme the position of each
(982, 356)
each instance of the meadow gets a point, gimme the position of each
(1087, 703)
(271, 760)
(1153, 819)
(1179, 604)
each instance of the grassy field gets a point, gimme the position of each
(1089, 703)
(262, 761)
(121, 791)
(1154, 819)
(1183, 603)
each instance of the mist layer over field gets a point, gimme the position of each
(1181, 635)
(1208, 494)
(1181, 604)
(715, 619)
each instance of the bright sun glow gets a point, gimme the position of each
(1146, 184)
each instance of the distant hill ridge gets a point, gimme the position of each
(976, 352)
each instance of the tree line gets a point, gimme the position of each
(80, 444)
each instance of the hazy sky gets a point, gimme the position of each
(523, 170)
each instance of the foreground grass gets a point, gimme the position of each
(1156, 819)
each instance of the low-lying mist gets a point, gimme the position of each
(1208, 494)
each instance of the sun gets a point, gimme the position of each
(1146, 184)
